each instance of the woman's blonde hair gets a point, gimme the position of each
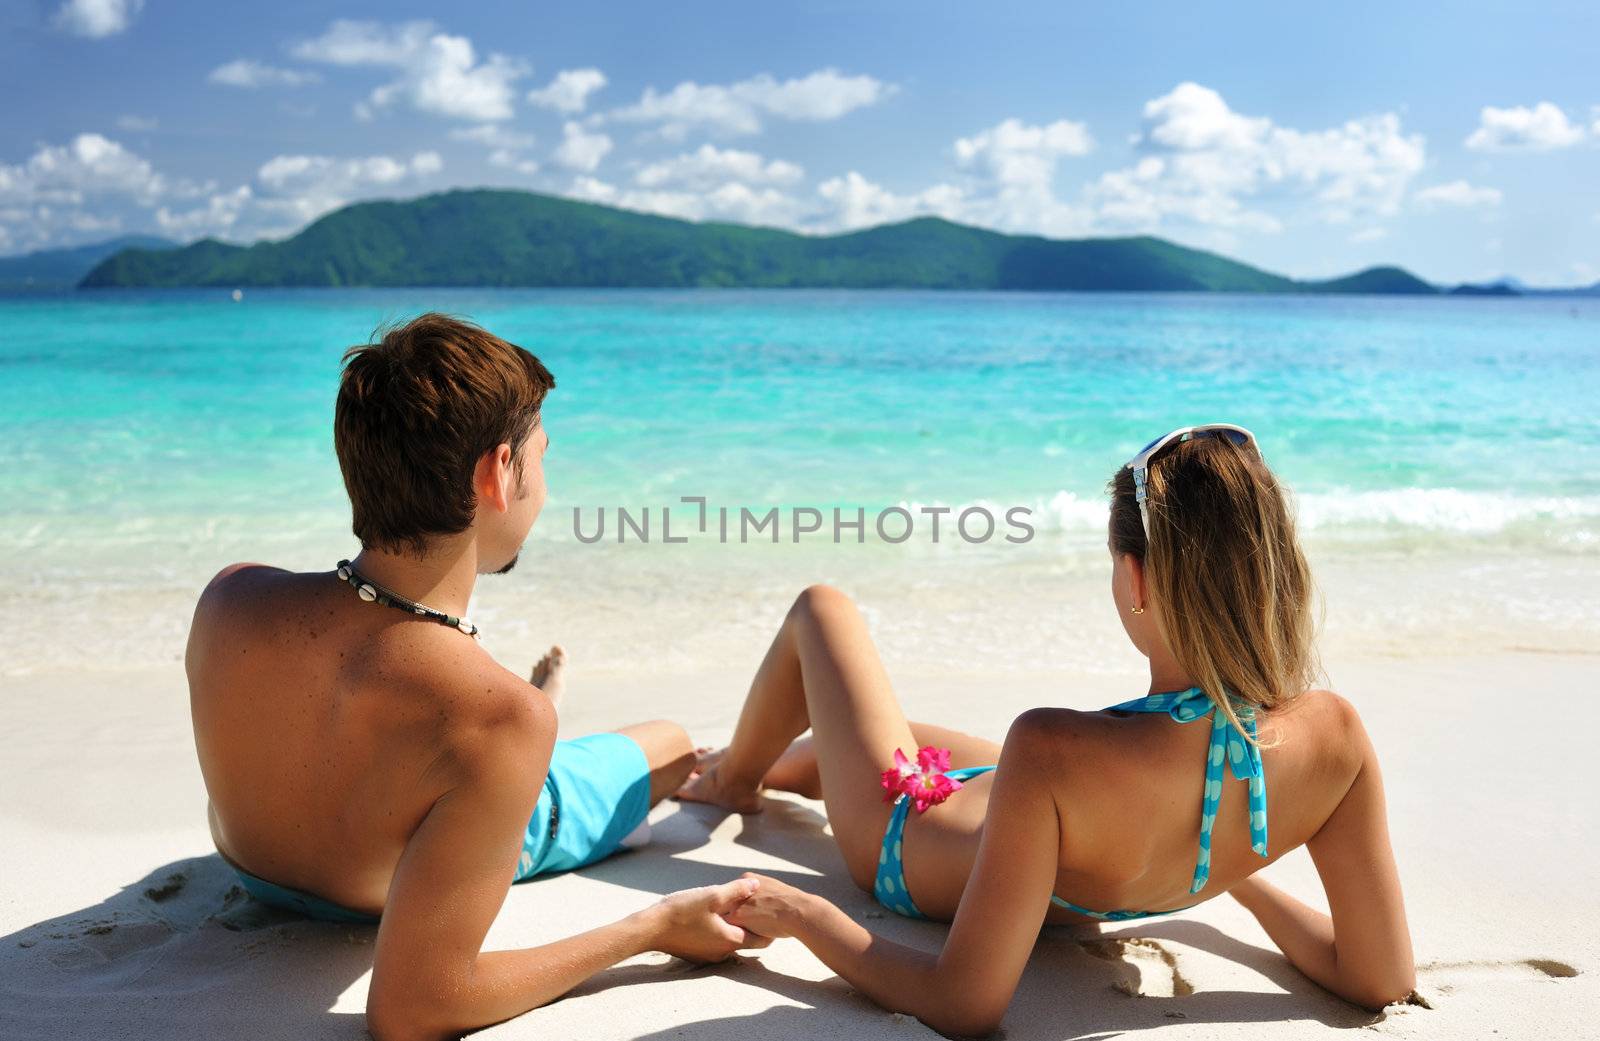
(1228, 581)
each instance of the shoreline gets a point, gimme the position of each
(687, 608)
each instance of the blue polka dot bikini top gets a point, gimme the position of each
(1227, 743)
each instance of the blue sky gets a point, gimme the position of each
(1463, 145)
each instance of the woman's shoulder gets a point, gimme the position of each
(1322, 711)
(1320, 728)
(1071, 744)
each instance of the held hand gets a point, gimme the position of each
(694, 924)
(773, 910)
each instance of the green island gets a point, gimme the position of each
(513, 238)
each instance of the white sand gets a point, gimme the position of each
(116, 921)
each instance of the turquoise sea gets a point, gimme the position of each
(148, 437)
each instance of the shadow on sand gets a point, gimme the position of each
(1080, 984)
(184, 952)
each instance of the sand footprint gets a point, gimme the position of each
(109, 938)
(1154, 968)
(1440, 979)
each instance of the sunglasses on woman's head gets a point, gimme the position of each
(1140, 464)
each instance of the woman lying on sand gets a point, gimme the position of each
(1090, 815)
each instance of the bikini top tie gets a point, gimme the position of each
(1227, 743)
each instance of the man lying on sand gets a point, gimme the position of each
(365, 757)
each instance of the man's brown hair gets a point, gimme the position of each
(416, 410)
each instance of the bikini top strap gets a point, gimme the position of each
(1227, 743)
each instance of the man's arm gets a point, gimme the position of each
(430, 978)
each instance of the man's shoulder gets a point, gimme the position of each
(466, 687)
(489, 714)
(229, 585)
(242, 573)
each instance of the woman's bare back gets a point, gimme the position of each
(1129, 790)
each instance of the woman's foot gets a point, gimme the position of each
(549, 674)
(706, 785)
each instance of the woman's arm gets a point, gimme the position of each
(1363, 951)
(964, 990)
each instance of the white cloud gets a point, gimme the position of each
(290, 191)
(286, 173)
(93, 184)
(137, 124)
(822, 96)
(855, 202)
(738, 108)
(351, 42)
(1016, 163)
(1457, 193)
(709, 166)
(216, 216)
(1192, 118)
(580, 149)
(1203, 161)
(510, 160)
(1542, 128)
(733, 201)
(708, 184)
(250, 74)
(1013, 168)
(569, 92)
(293, 190)
(439, 73)
(506, 146)
(492, 135)
(592, 189)
(89, 165)
(1016, 152)
(89, 184)
(1370, 235)
(97, 19)
(1202, 164)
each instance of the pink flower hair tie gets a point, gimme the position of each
(925, 784)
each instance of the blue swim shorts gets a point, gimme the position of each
(596, 794)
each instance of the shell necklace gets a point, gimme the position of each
(373, 593)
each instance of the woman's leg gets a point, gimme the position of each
(821, 673)
(796, 770)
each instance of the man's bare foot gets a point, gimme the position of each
(550, 672)
(705, 785)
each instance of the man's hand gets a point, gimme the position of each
(774, 909)
(693, 924)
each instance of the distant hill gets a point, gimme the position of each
(1523, 289)
(1487, 289)
(64, 268)
(1509, 285)
(510, 238)
(1378, 280)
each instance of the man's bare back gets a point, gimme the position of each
(324, 726)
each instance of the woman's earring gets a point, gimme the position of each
(1137, 610)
